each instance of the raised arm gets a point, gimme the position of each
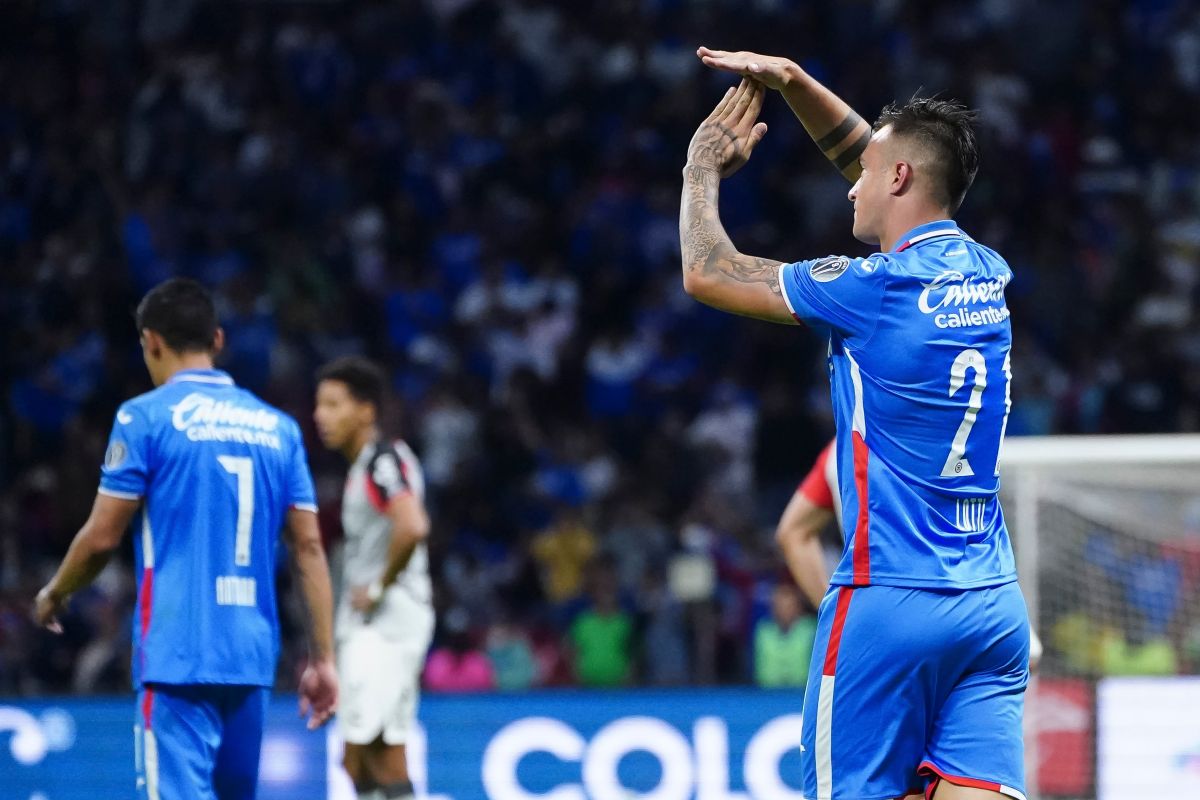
(714, 272)
(839, 132)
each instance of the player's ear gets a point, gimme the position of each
(218, 341)
(152, 344)
(902, 178)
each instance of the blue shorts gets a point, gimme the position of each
(909, 687)
(199, 742)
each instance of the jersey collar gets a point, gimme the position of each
(923, 233)
(369, 450)
(211, 376)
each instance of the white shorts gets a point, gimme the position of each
(380, 683)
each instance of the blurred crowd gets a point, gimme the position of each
(483, 195)
(1120, 601)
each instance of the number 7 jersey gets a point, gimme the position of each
(216, 470)
(919, 341)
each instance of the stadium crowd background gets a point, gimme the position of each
(483, 195)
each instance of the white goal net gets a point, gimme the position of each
(1107, 536)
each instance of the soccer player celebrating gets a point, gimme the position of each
(215, 473)
(921, 658)
(385, 615)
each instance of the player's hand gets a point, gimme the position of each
(47, 607)
(771, 71)
(725, 139)
(360, 599)
(318, 692)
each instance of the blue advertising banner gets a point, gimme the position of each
(695, 744)
(75, 748)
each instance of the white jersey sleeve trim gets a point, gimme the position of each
(119, 495)
(305, 507)
(783, 291)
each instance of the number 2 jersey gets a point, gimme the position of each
(919, 341)
(216, 470)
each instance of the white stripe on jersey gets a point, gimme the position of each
(151, 755)
(147, 539)
(859, 422)
(824, 738)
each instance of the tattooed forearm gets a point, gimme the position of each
(745, 269)
(839, 133)
(851, 153)
(707, 249)
(846, 142)
(696, 233)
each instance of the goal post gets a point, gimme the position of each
(1106, 531)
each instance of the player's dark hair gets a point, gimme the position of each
(945, 128)
(363, 378)
(182, 312)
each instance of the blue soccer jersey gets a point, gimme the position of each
(216, 470)
(919, 341)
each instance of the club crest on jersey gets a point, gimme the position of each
(115, 455)
(828, 269)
